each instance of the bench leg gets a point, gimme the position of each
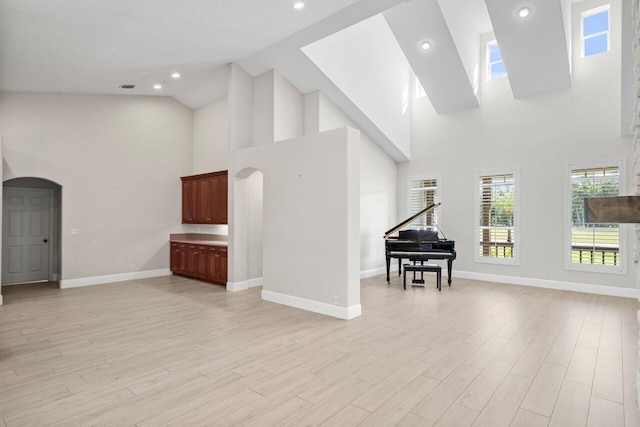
(404, 279)
(439, 280)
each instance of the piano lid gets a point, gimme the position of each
(411, 219)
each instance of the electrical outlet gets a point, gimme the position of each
(335, 299)
(133, 267)
(543, 275)
(75, 231)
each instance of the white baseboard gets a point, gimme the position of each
(237, 286)
(254, 283)
(99, 280)
(243, 286)
(377, 271)
(0, 299)
(314, 306)
(550, 284)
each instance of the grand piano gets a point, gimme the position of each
(418, 245)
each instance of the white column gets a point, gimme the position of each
(635, 17)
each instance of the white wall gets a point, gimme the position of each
(311, 215)
(210, 137)
(366, 63)
(378, 185)
(255, 227)
(288, 110)
(263, 108)
(539, 135)
(118, 160)
(210, 150)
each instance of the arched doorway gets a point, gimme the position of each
(247, 233)
(31, 231)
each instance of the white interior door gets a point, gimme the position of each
(25, 234)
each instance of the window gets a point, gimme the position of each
(423, 191)
(495, 64)
(594, 246)
(595, 31)
(497, 217)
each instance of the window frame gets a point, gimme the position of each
(488, 62)
(622, 189)
(515, 260)
(423, 177)
(591, 12)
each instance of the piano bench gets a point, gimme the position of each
(422, 268)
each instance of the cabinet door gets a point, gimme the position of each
(175, 257)
(222, 263)
(221, 206)
(204, 210)
(212, 263)
(178, 257)
(182, 258)
(188, 201)
(192, 259)
(201, 262)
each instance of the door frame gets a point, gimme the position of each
(49, 251)
(55, 221)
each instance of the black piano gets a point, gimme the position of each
(418, 245)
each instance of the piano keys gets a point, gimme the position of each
(418, 245)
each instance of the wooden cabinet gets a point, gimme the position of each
(178, 257)
(189, 196)
(203, 262)
(197, 261)
(217, 264)
(204, 198)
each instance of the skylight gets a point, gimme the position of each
(495, 64)
(595, 31)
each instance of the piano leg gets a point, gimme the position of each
(399, 266)
(449, 264)
(388, 268)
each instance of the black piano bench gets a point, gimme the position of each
(422, 268)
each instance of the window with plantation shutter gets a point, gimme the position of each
(423, 191)
(497, 217)
(594, 247)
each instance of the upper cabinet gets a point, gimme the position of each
(204, 198)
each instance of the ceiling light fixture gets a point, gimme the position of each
(425, 45)
(298, 5)
(157, 87)
(524, 12)
(175, 75)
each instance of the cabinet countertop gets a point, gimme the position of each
(201, 242)
(199, 239)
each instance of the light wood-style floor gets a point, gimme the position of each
(171, 351)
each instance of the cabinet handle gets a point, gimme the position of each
(177, 250)
(195, 253)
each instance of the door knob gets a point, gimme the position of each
(46, 240)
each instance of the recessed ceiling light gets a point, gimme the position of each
(298, 5)
(524, 12)
(175, 75)
(157, 87)
(425, 45)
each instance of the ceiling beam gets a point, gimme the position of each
(439, 69)
(534, 49)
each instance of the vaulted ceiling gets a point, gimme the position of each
(94, 46)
